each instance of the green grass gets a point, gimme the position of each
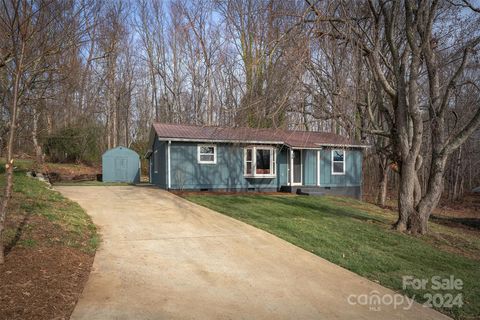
(28, 243)
(357, 236)
(33, 197)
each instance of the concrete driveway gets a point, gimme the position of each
(163, 257)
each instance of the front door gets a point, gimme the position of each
(295, 167)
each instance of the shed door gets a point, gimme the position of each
(121, 165)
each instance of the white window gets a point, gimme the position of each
(260, 162)
(338, 162)
(207, 154)
(249, 162)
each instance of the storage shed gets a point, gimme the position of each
(120, 164)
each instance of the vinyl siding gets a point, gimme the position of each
(227, 173)
(353, 169)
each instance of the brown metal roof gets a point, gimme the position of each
(296, 139)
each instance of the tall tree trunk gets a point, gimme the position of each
(7, 192)
(154, 94)
(405, 194)
(115, 126)
(114, 106)
(418, 221)
(39, 157)
(457, 169)
(49, 124)
(112, 121)
(382, 194)
(109, 130)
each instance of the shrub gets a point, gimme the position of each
(74, 144)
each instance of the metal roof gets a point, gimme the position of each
(294, 139)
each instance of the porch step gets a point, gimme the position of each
(308, 189)
(285, 189)
(303, 190)
(310, 193)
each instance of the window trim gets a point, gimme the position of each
(245, 161)
(199, 147)
(254, 174)
(344, 162)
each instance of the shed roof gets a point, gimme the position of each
(119, 149)
(295, 139)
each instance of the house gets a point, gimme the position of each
(187, 157)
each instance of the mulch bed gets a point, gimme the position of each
(41, 278)
(68, 173)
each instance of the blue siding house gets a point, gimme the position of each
(187, 157)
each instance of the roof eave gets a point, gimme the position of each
(344, 145)
(218, 140)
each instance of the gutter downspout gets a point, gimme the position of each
(169, 181)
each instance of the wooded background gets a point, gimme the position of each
(89, 75)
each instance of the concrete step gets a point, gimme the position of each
(301, 189)
(310, 192)
(316, 193)
(309, 189)
(285, 189)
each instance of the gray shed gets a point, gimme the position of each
(120, 164)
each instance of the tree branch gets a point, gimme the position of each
(458, 72)
(453, 143)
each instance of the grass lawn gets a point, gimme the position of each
(357, 236)
(33, 197)
(50, 245)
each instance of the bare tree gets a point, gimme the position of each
(36, 31)
(409, 63)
